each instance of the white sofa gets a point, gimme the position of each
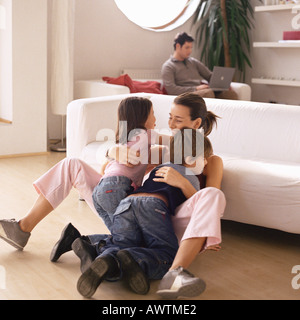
(98, 88)
(259, 144)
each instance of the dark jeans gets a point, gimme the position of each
(108, 194)
(143, 226)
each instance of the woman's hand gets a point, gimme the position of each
(170, 176)
(173, 178)
(215, 247)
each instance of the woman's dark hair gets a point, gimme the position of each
(182, 38)
(135, 111)
(198, 109)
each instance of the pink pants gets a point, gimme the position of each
(199, 216)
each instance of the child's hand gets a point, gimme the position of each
(103, 166)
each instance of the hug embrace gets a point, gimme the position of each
(156, 228)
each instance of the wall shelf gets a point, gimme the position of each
(275, 82)
(276, 44)
(289, 78)
(272, 8)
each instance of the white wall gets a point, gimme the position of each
(6, 60)
(106, 41)
(28, 131)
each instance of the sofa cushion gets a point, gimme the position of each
(262, 193)
(256, 130)
(94, 153)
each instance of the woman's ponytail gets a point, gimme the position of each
(209, 122)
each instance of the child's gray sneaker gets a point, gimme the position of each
(180, 282)
(11, 232)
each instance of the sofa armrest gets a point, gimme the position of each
(90, 120)
(243, 90)
(97, 88)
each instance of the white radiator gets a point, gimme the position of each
(149, 74)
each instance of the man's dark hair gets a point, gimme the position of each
(182, 38)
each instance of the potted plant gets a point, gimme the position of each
(222, 33)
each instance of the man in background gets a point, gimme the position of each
(182, 73)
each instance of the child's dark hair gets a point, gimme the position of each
(135, 111)
(208, 149)
(192, 140)
(198, 109)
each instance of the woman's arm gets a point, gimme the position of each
(187, 188)
(214, 172)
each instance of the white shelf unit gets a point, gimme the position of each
(275, 82)
(276, 44)
(288, 44)
(277, 7)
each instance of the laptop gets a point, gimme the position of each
(221, 78)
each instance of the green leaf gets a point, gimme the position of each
(210, 28)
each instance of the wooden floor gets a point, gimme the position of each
(254, 263)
